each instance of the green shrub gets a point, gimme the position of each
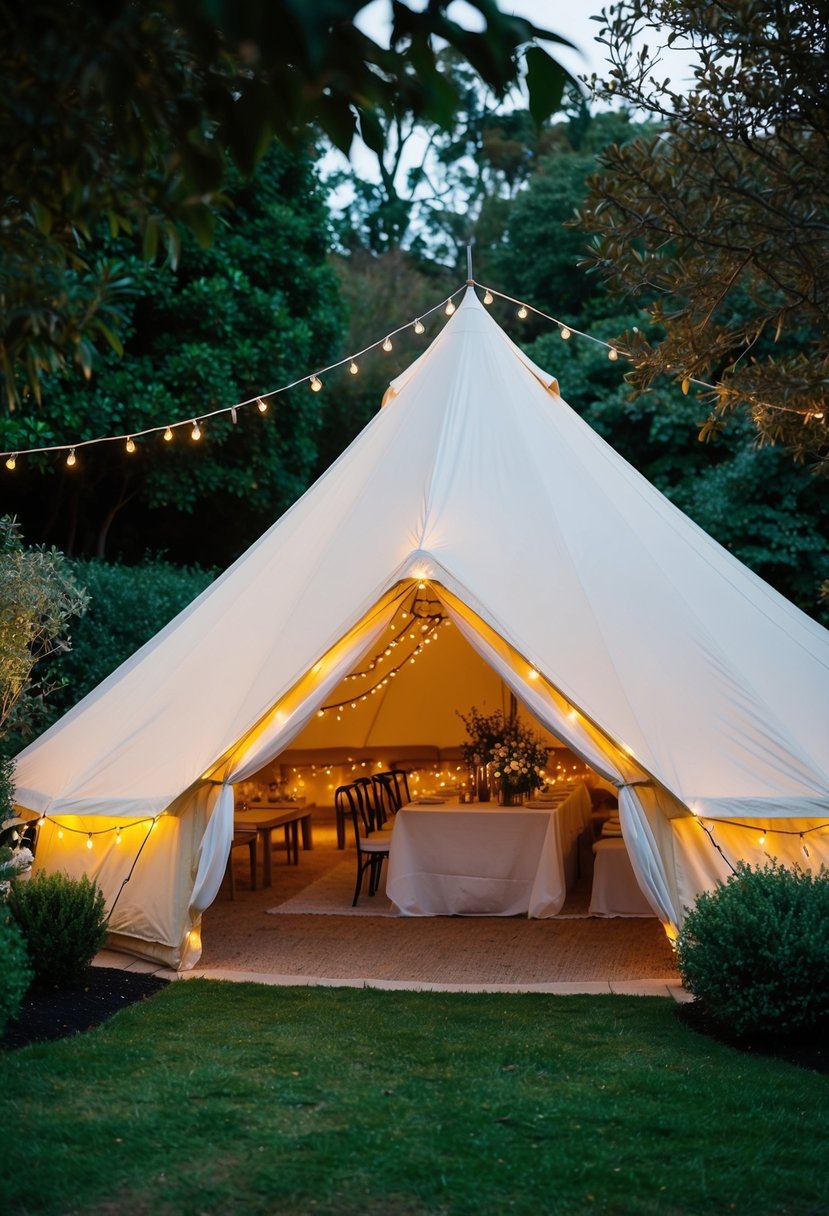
(64, 924)
(755, 952)
(15, 971)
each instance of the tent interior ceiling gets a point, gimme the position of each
(421, 704)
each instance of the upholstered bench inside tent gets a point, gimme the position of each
(615, 889)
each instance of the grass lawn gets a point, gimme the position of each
(225, 1098)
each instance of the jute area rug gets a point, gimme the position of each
(244, 935)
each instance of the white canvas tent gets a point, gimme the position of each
(624, 629)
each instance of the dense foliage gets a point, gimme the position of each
(128, 115)
(15, 969)
(64, 923)
(39, 596)
(755, 954)
(253, 312)
(716, 222)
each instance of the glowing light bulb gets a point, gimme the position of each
(763, 838)
(613, 354)
(11, 462)
(118, 836)
(449, 309)
(316, 384)
(320, 713)
(565, 333)
(522, 312)
(387, 344)
(130, 445)
(818, 415)
(89, 841)
(195, 434)
(261, 405)
(168, 435)
(488, 298)
(533, 674)
(60, 833)
(71, 459)
(353, 368)
(419, 327)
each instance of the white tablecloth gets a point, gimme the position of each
(485, 860)
(615, 889)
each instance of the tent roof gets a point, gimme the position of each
(478, 477)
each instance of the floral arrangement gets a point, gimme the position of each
(515, 755)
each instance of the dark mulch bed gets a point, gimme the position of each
(807, 1052)
(56, 1014)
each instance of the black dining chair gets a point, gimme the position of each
(401, 784)
(385, 795)
(373, 803)
(396, 784)
(371, 849)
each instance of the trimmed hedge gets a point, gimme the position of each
(15, 971)
(63, 920)
(755, 952)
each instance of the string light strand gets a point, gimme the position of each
(167, 429)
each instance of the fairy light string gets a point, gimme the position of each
(420, 623)
(315, 380)
(117, 831)
(761, 833)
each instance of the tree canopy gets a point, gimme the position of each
(718, 222)
(121, 116)
(252, 312)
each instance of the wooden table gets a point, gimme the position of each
(485, 860)
(266, 818)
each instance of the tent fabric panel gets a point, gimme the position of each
(148, 901)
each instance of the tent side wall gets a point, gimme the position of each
(147, 869)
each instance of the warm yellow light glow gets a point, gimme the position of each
(419, 327)
(261, 405)
(316, 384)
(118, 836)
(565, 332)
(533, 674)
(613, 354)
(89, 841)
(450, 308)
(387, 344)
(71, 459)
(353, 368)
(130, 445)
(317, 667)
(762, 838)
(488, 298)
(168, 434)
(195, 434)
(11, 462)
(522, 312)
(60, 833)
